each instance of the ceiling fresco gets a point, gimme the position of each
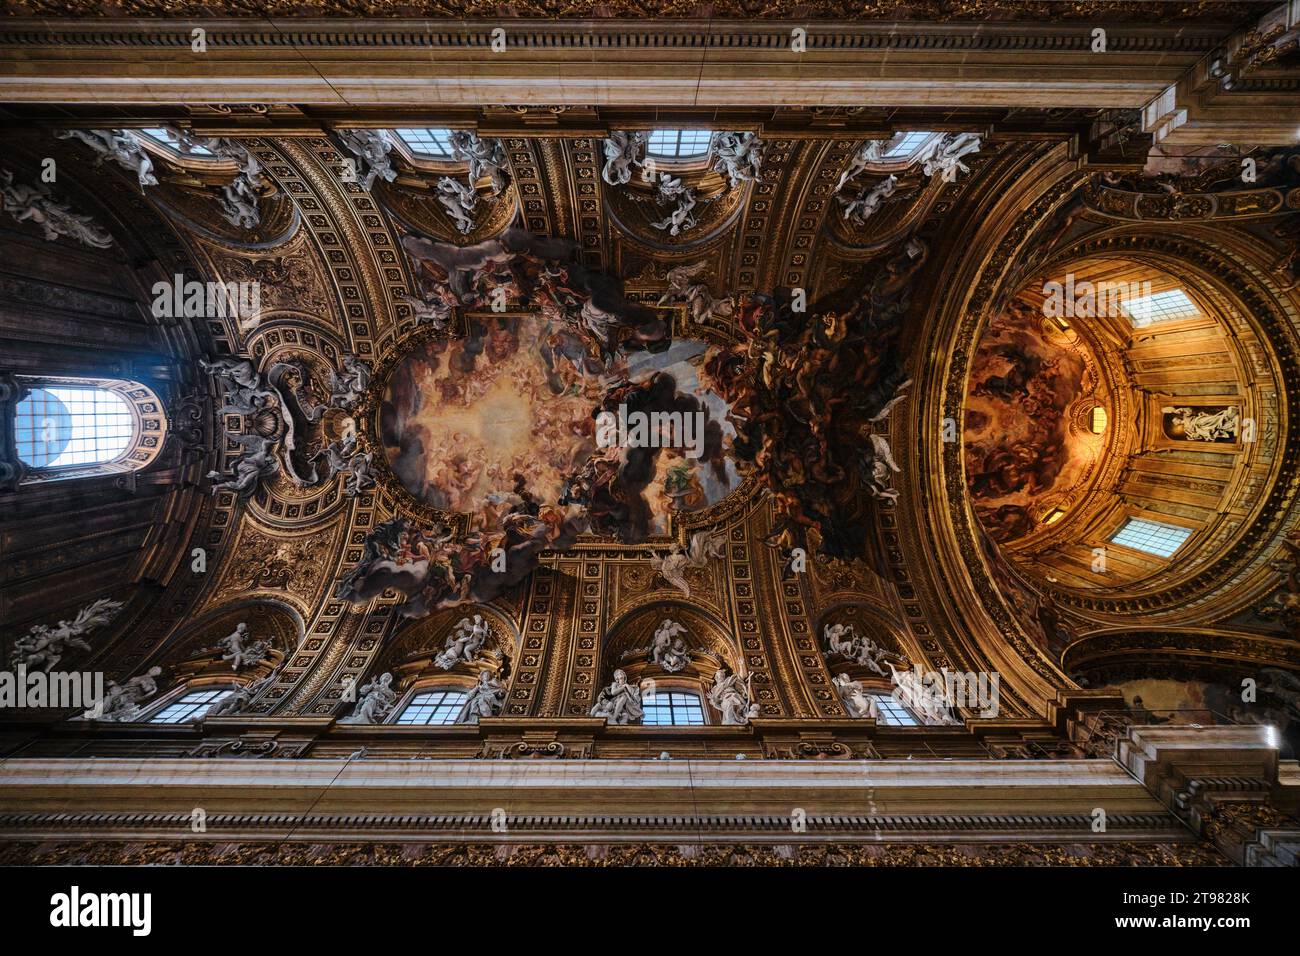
(505, 412)
(1028, 450)
(1182, 702)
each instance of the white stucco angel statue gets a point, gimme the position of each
(704, 547)
(620, 702)
(376, 699)
(857, 702)
(667, 649)
(732, 697)
(241, 650)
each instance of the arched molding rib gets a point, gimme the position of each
(633, 632)
(1184, 653)
(988, 631)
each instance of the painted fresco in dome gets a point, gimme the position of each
(1020, 451)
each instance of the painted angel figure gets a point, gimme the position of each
(732, 698)
(485, 698)
(704, 547)
(434, 307)
(622, 151)
(882, 464)
(667, 649)
(700, 303)
(620, 702)
(376, 699)
(1284, 686)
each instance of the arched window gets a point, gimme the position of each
(1151, 537)
(433, 707)
(906, 145)
(1171, 305)
(894, 714)
(60, 427)
(70, 428)
(679, 144)
(677, 708)
(168, 140)
(189, 707)
(427, 143)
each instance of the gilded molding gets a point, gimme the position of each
(748, 854)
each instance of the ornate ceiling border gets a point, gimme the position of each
(961, 318)
(924, 852)
(722, 11)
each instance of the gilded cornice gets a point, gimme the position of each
(576, 15)
(490, 853)
(1205, 651)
